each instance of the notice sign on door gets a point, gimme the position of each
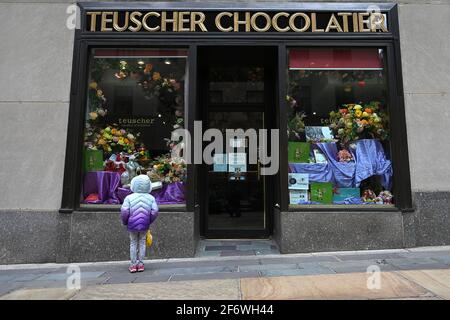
(237, 163)
(220, 162)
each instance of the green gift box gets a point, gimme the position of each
(322, 192)
(93, 160)
(298, 152)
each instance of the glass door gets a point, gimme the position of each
(235, 187)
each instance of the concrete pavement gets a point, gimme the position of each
(419, 273)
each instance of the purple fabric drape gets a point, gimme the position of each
(172, 193)
(108, 187)
(370, 160)
(104, 183)
(343, 172)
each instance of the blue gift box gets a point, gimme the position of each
(340, 194)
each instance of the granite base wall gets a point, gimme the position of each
(49, 236)
(335, 231)
(44, 237)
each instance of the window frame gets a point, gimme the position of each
(77, 113)
(398, 140)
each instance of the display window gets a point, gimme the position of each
(135, 102)
(339, 149)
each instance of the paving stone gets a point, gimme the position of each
(40, 294)
(416, 263)
(235, 243)
(358, 266)
(236, 253)
(172, 290)
(296, 272)
(331, 286)
(436, 281)
(142, 278)
(427, 254)
(369, 256)
(201, 254)
(44, 284)
(219, 248)
(7, 288)
(266, 252)
(121, 278)
(260, 267)
(196, 270)
(15, 277)
(445, 260)
(246, 248)
(64, 276)
(221, 275)
(283, 259)
(355, 266)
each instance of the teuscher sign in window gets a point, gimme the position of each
(236, 21)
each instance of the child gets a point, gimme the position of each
(138, 211)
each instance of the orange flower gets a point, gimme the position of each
(368, 110)
(148, 68)
(156, 76)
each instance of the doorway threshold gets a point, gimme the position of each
(236, 247)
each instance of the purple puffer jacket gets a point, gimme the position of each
(139, 209)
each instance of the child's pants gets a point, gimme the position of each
(137, 247)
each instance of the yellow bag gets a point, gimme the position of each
(149, 239)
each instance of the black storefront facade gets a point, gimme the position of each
(214, 38)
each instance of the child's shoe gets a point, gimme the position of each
(140, 267)
(132, 269)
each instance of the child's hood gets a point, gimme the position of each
(141, 184)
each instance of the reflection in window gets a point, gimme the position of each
(135, 102)
(236, 84)
(338, 130)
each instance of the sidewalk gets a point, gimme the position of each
(419, 273)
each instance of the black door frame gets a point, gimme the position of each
(85, 40)
(270, 95)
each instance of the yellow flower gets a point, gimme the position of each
(93, 115)
(99, 93)
(358, 113)
(93, 85)
(365, 114)
(156, 76)
(101, 142)
(358, 107)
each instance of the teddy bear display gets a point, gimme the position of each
(131, 167)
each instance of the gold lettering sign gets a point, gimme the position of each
(237, 21)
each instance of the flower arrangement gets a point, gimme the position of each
(385, 197)
(296, 123)
(166, 170)
(111, 139)
(344, 156)
(354, 121)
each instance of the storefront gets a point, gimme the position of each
(326, 78)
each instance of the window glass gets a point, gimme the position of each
(338, 127)
(135, 102)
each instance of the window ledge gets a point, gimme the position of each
(343, 208)
(116, 207)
